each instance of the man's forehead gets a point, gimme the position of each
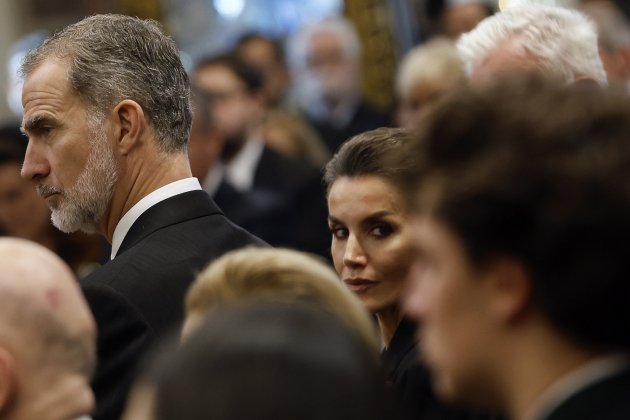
(50, 68)
(46, 89)
(51, 76)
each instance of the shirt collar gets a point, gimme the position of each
(576, 380)
(240, 171)
(213, 179)
(161, 194)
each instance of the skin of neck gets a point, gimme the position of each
(535, 358)
(143, 170)
(57, 395)
(231, 150)
(388, 320)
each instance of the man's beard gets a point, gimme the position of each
(319, 94)
(82, 206)
(232, 145)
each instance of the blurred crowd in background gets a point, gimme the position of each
(305, 118)
(278, 87)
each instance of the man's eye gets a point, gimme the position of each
(42, 131)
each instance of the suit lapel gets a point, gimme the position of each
(177, 209)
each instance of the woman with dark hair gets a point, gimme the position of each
(372, 250)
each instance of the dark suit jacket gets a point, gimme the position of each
(138, 296)
(607, 399)
(286, 205)
(364, 119)
(412, 382)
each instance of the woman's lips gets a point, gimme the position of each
(359, 285)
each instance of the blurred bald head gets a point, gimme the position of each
(47, 336)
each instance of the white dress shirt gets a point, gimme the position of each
(161, 194)
(213, 178)
(242, 168)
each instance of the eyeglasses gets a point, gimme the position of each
(209, 98)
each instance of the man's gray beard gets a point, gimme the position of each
(83, 205)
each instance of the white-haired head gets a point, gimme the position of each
(297, 47)
(324, 59)
(560, 42)
(434, 61)
(425, 75)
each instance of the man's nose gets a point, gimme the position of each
(35, 165)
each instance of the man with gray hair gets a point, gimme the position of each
(107, 113)
(47, 336)
(325, 63)
(553, 41)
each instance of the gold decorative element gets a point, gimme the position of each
(145, 9)
(373, 21)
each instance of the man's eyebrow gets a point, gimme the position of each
(36, 122)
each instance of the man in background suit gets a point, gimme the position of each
(523, 221)
(325, 65)
(276, 197)
(107, 112)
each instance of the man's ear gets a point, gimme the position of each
(511, 287)
(8, 381)
(131, 124)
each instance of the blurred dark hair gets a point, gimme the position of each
(376, 152)
(12, 144)
(540, 172)
(272, 361)
(276, 45)
(624, 6)
(248, 74)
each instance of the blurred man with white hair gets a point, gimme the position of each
(426, 74)
(553, 41)
(324, 59)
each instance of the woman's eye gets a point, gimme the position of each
(381, 230)
(339, 232)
